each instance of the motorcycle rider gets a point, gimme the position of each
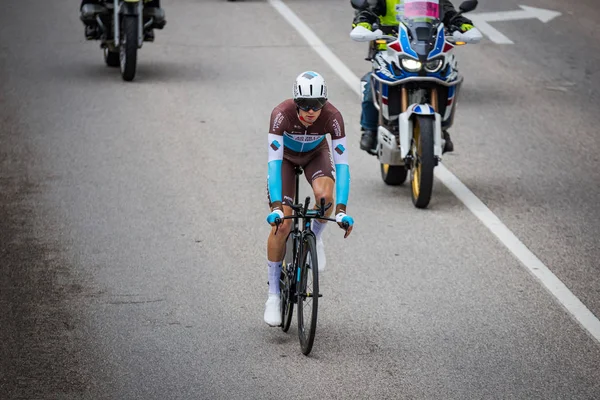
(152, 8)
(383, 13)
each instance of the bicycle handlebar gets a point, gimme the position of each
(302, 211)
(278, 221)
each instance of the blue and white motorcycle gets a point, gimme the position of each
(415, 82)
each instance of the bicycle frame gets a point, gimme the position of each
(296, 270)
(301, 211)
(298, 235)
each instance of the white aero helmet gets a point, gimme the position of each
(310, 91)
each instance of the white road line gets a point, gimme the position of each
(345, 73)
(488, 30)
(574, 306)
(555, 286)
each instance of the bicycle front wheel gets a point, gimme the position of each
(308, 294)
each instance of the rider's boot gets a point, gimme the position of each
(368, 141)
(149, 35)
(449, 146)
(91, 32)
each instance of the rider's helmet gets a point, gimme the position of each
(310, 91)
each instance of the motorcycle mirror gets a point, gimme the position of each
(362, 34)
(359, 4)
(468, 6)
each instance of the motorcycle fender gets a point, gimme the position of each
(421, 109)
(130, 7)
(405, 129)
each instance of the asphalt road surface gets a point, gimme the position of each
(132, 216)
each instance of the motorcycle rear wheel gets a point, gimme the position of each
(393, 175)
(111, 58)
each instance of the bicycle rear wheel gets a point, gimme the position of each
(308, 294)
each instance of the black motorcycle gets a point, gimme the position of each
(122, 26)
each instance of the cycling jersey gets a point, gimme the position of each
(297, 144)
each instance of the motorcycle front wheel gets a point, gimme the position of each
(128, 47)
(421, 173)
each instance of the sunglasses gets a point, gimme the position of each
(310, 104)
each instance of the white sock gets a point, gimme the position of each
(274, 274)
(318, 228)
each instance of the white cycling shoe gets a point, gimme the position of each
(321, 255)
(273, 310)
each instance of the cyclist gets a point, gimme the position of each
(297, 138)
(383, 13)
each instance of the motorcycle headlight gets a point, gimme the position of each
(434, 65)
(411, 65)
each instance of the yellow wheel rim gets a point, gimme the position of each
(386, 168)
(416, 169)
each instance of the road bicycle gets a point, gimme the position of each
(299, 279)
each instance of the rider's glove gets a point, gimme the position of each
(343, 219)
(473, 35)
(466, 27)
(364, 25)
(273, 216)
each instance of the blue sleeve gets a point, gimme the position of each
(274, 180)
(342, 183)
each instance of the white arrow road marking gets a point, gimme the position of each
(482, 20)
(578, 311)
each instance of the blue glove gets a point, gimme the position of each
(345, 222)
(273, 216)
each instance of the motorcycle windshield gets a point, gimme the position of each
(424, 11)
(421, 19)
